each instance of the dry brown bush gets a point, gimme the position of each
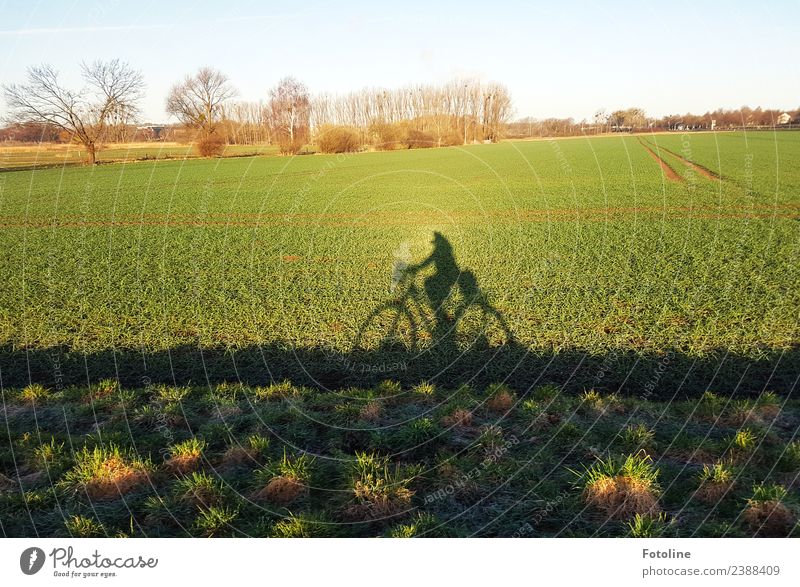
(211, 146)
(339, 139)
(417, 139)
(386, 137)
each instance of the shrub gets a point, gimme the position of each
(386, 136)
(211, 146)
(291, 146)
(339, 139)
(451, 139)
(417, 139)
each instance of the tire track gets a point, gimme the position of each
(705, 172)
(668, 171)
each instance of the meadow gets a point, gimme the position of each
(570, 337)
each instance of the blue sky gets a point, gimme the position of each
(557, 58)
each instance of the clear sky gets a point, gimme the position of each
(557, 58)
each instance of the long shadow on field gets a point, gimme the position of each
(418, 335)
(661, 376)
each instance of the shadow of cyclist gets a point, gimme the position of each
(438, 287)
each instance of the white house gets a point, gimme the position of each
(784, 118)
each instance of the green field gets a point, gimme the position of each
(302, 306)
(580, 248)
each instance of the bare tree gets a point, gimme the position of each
(290, 108)
(198, 100)
(110, 97)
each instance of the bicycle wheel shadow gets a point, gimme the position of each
(431, 318)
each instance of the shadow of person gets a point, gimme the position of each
(432, 310)
(473, 296)
(438, 287)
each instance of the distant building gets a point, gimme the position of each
(151, 132)
(784, 118)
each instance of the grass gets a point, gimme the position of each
(289, 262)
(434, 465)
(624, 487)
(715, 482)
(766, 512)
(185, 456)
(379, 492)
(107, 472)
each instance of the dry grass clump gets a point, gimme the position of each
(715, 483)
(460, 417)
(371, 412)
(287, 480)
(379, 493)
(501, 399)
(254, 449)
(105, 473)
(200, 489)
(186, 456)
(281, 491)
(623, 488)
(766, 514)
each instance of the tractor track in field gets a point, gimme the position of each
(345, 220)
(665, 167)
(704, 171)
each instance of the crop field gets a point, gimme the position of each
(579, 337)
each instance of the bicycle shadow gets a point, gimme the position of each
(432, 317)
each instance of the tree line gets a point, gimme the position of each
(106, 109)
(637, 120)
